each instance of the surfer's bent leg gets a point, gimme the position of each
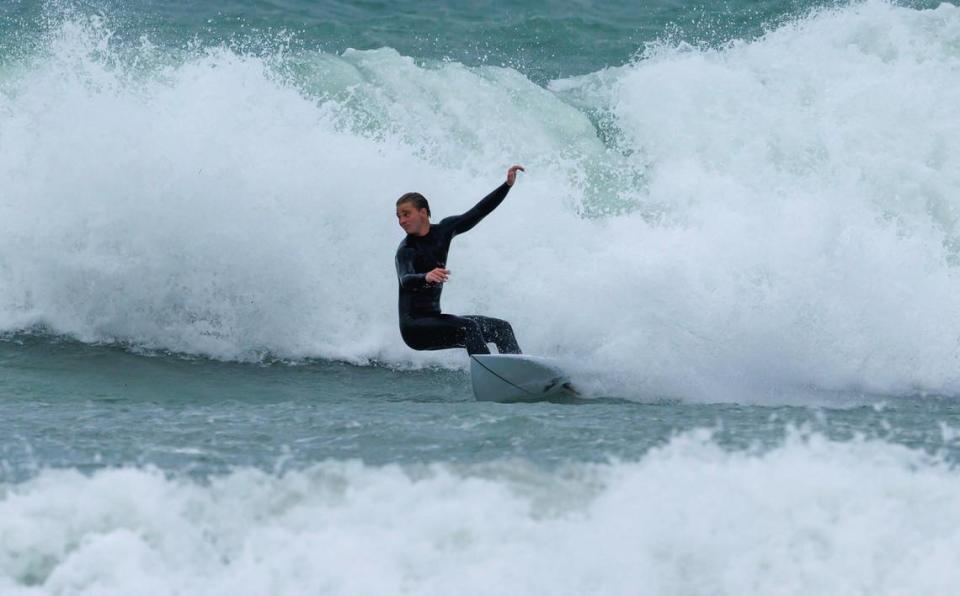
(499, 332)
(439, 332)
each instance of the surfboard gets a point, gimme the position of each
(514, 378)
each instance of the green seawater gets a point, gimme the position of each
(737, 229)
(66, 403)
(70, 405)
(542, 40)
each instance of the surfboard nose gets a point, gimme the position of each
(515, 378)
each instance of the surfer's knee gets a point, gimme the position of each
(505, 338)
(473, 336)
(472, 329)
(501, 327)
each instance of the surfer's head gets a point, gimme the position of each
(413, 213)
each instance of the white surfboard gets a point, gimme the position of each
(517, 378)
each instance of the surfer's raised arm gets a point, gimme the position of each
(465, 222)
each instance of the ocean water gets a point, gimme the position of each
(738, 231)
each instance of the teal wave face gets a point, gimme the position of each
(766, 214)
(543, 42)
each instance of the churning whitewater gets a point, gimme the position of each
(772, 212)
(743, 248)
(811, 516)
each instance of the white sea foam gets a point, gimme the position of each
(811, 516)
(776, 213)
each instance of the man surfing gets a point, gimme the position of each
(421, 270)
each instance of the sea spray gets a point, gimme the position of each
(771, 213)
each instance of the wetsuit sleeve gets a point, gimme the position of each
(465, 222)
(409, 278)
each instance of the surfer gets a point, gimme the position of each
(421, 269)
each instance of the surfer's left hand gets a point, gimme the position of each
(512, 174)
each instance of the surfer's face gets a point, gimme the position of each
(412, 220)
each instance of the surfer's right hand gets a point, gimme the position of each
(438, 275)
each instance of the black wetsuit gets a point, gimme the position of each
(422, 325)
